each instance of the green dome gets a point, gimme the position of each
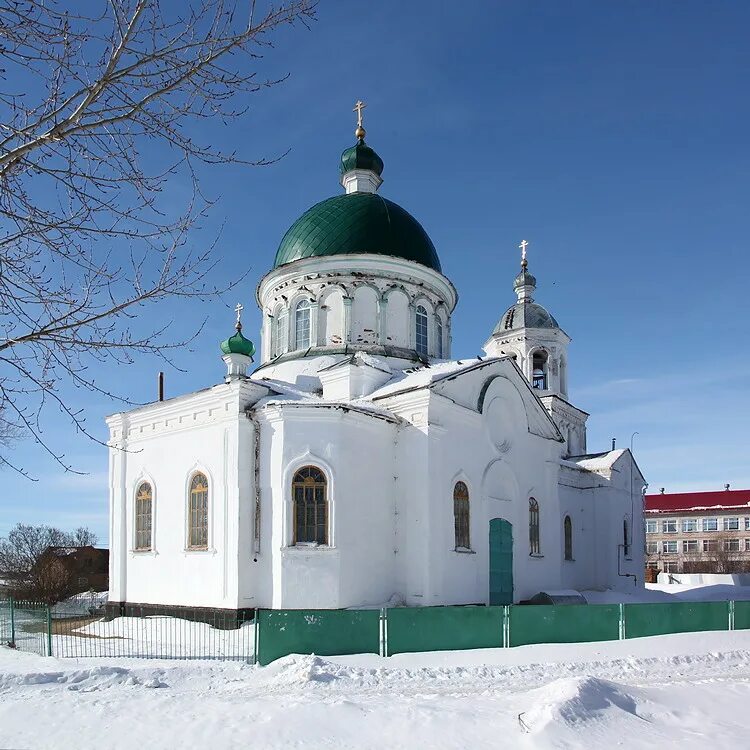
(357, 223)
(361, 156)
(238, 344)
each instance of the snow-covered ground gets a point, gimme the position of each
(687, 691)
(673, 592)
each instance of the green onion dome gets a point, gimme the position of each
(238, 344)
(357, 223)
(361, 156)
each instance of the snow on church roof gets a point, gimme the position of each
(598, 461)
(422, 377)
(287, 395)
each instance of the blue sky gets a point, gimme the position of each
(612, 136)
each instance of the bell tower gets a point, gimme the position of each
(529, 334)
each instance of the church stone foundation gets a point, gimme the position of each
(223, 619)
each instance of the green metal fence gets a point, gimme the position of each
(443, 628)
(66, 632)
(573, 623)
(26, 626)
(741, 615)
(317, 631)
(674, 617)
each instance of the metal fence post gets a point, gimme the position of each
(12, 623)
(731, 615)
(621, 627)
(506, 626)
(257, 635)
(49, 630)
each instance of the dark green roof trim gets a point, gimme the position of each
(361, 156)
(357, 223)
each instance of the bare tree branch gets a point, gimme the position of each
(100, 114)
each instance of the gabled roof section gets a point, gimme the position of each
(437, 377)
(605, 463)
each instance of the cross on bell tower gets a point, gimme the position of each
(531, 335)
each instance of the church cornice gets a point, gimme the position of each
(362, 268)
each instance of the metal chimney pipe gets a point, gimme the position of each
(160, 381)
(613, 443)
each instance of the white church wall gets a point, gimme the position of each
(603, 501)
(581, 504)
(416, 510)
(253, 569)
(355, 453)
(172, 573)
(499, 459)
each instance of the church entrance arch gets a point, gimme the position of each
(501, 561)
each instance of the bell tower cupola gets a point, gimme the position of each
(532, 336)
(529, 334)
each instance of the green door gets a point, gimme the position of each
(501, 561)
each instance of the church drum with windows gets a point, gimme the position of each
(359, 464)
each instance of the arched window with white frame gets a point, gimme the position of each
(279, 335)
(461, 516)
(302, 325)
(420, 337)
(144, 509)
(198, 512)
(310, 506)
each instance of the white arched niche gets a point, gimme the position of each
(365, 316)
(331, 316)
(397, 319)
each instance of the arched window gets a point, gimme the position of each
(421, 331)
(568, 534)
(539, 370)
(143, 516)
(461, 515)
(438, 337)
(278, 337)
(302, 325)
(198, 512)
(625, 537)
(533, 527)
(309, 496)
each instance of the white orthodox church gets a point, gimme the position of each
(359, 464)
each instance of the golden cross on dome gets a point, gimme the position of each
(239, 310)
(523, 247)
(358, 107)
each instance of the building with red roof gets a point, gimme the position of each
(698, 532)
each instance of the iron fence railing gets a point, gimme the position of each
(80, 630)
